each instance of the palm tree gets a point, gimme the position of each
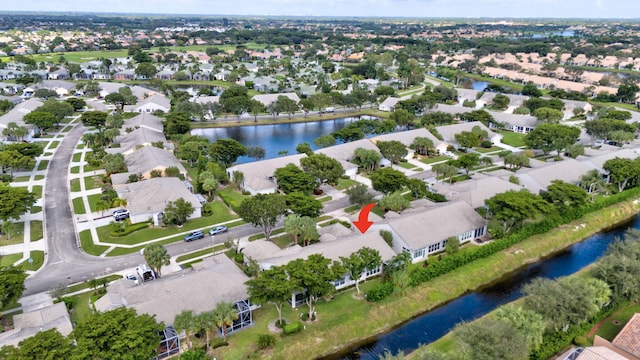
(120, 202)
(207, 321)
(224, 314)
(186, 320)
(156, 256)
(102, 205)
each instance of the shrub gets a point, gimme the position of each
(487, 144)
(436, 197)
(292, 328)
(581, 341)
(305, 317)
(281, 324)
(469, 103)
(265, 341)
(128, 229)
(245, 192)
(379, 292)
(239, 258)
(387, 236)
(216, 343)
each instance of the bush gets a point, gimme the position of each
(239, 258)
(128, 229)
(387, 236)
(379, 292)
(216, 343)
(245, 192)
(581, 341)
(281, 324)
(486, 144)
(436, 197)
(265, 341)
(292, 328)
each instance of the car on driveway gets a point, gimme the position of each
(131, 277)
(120, 214)
(218, 230)
(194, 236)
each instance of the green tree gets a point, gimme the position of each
(117, 334)
(44, 345)
(468, 161)
(532, 90)
(273, 286)
(402, 117)
(423, 145)
(263, 210)
(256, 108)
(489, 339)
(325, 169)
(14, 201)
(304, 148)
(225, 314)
(208, 182)
(186, 320)
(473, 138)
(622, 171)
(359, 262)
(500, 102)
(12, 280)
(528, 323)
(227, 151)
(15, 131)
(146, 70)
(177, 123)
(388, 180)
(547, 137)
(393, 150)
(565, 195)
(620, 267)
(76, 103)
(191, 151)
(303, 204)
(177, 212)
(366, 159)
(452, 246)
(447, 171)
(314, 275)
(42, 119)
(293, 179)
(286, 105)
(11, 160)
(394, 202)
(359, 194)
(548, 115)
(94, 118)
(114, 163)
(207, 321)
(156, 257)
(512, 207)
(324, 141)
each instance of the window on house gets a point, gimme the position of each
(420, 253)
(434, 247)
(375, 271)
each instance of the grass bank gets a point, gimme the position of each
(364, 320)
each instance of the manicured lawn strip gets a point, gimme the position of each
(434, 159)
(283, 241)
(233, 198)
(158, 232)
(512, 138)
(74, 185)
(81, 308)
(80, 146)
(75, 170)
(43, 165)
(324, 199)
(261, 235)
(88, 246)
(53, 145)
(124, 251)
(630, 107)
(36, 209)
(89, 168)
(38, 259)
(78, 206)
(36, 230)
(361, 320)
(38, 177)
(202, 252)
(76, 157)
(489, 150)
(93, 200)
(405, 165)
(352, 208)
(21, 178)
(344, 184)
(85, 285)
(90, 183)
(17, 235)
(609, 330)
(37, 190)
(7, 260)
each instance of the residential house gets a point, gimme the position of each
(136, 139)
(30, 323)
(146, 121)
(538, 179)
(17, 114)
(517, 123)
(407, 138)
(258, 176)
(151, 104)
(267, 99)
(146, 159)
(125, 75)
(476, 190)
(449, 132)
(147, 199)
(61, 87)
(626, 344)
(60, 74)
(344, 153)
(208, 283)
(426, 231)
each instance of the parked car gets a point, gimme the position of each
(131, 277)
(194, 236)
(218, 230)
(120, 214)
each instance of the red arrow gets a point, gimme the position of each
(363, 222)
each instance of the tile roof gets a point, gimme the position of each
(628, 339)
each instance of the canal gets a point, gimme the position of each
(434, 324)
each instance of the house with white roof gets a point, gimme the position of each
(16, 115)
(151, 104)
(144, 121)
(259, 176)
(567, 170)
(344, 153)
(267, 99)
(476, 190)
(30, 323)
(449, 132)
(135, 139)
(148, 158)
(407, 138)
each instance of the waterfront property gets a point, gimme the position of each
(626, 345)
(427, 230)
(258, 177)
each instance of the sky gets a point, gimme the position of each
(338, 8)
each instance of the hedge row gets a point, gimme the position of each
(455, 261)
(129, 229)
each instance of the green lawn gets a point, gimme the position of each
(39, 177)
(85, 285)
(282, 241)
(88, 246)
(17, 235)
(43, 165)
(629, 107)
(513, 138)
(37, 190)
(76, 157)
(435, 159)
(261, 235)
(10, 259)
(612, 325)
(489, 150)
(21, 178)
(53, 145)
(221, 215)
(89, 168)
(78, 206)
(36, 230)
(36, 209)
(202, 252)
(81, 308)
(232, 197)
(93, 200)
(91, 182)
(344, 184)
(80, 146)
(37, 259)
(74, 185)
(324, 199)
(405, 165)
(75, 170)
